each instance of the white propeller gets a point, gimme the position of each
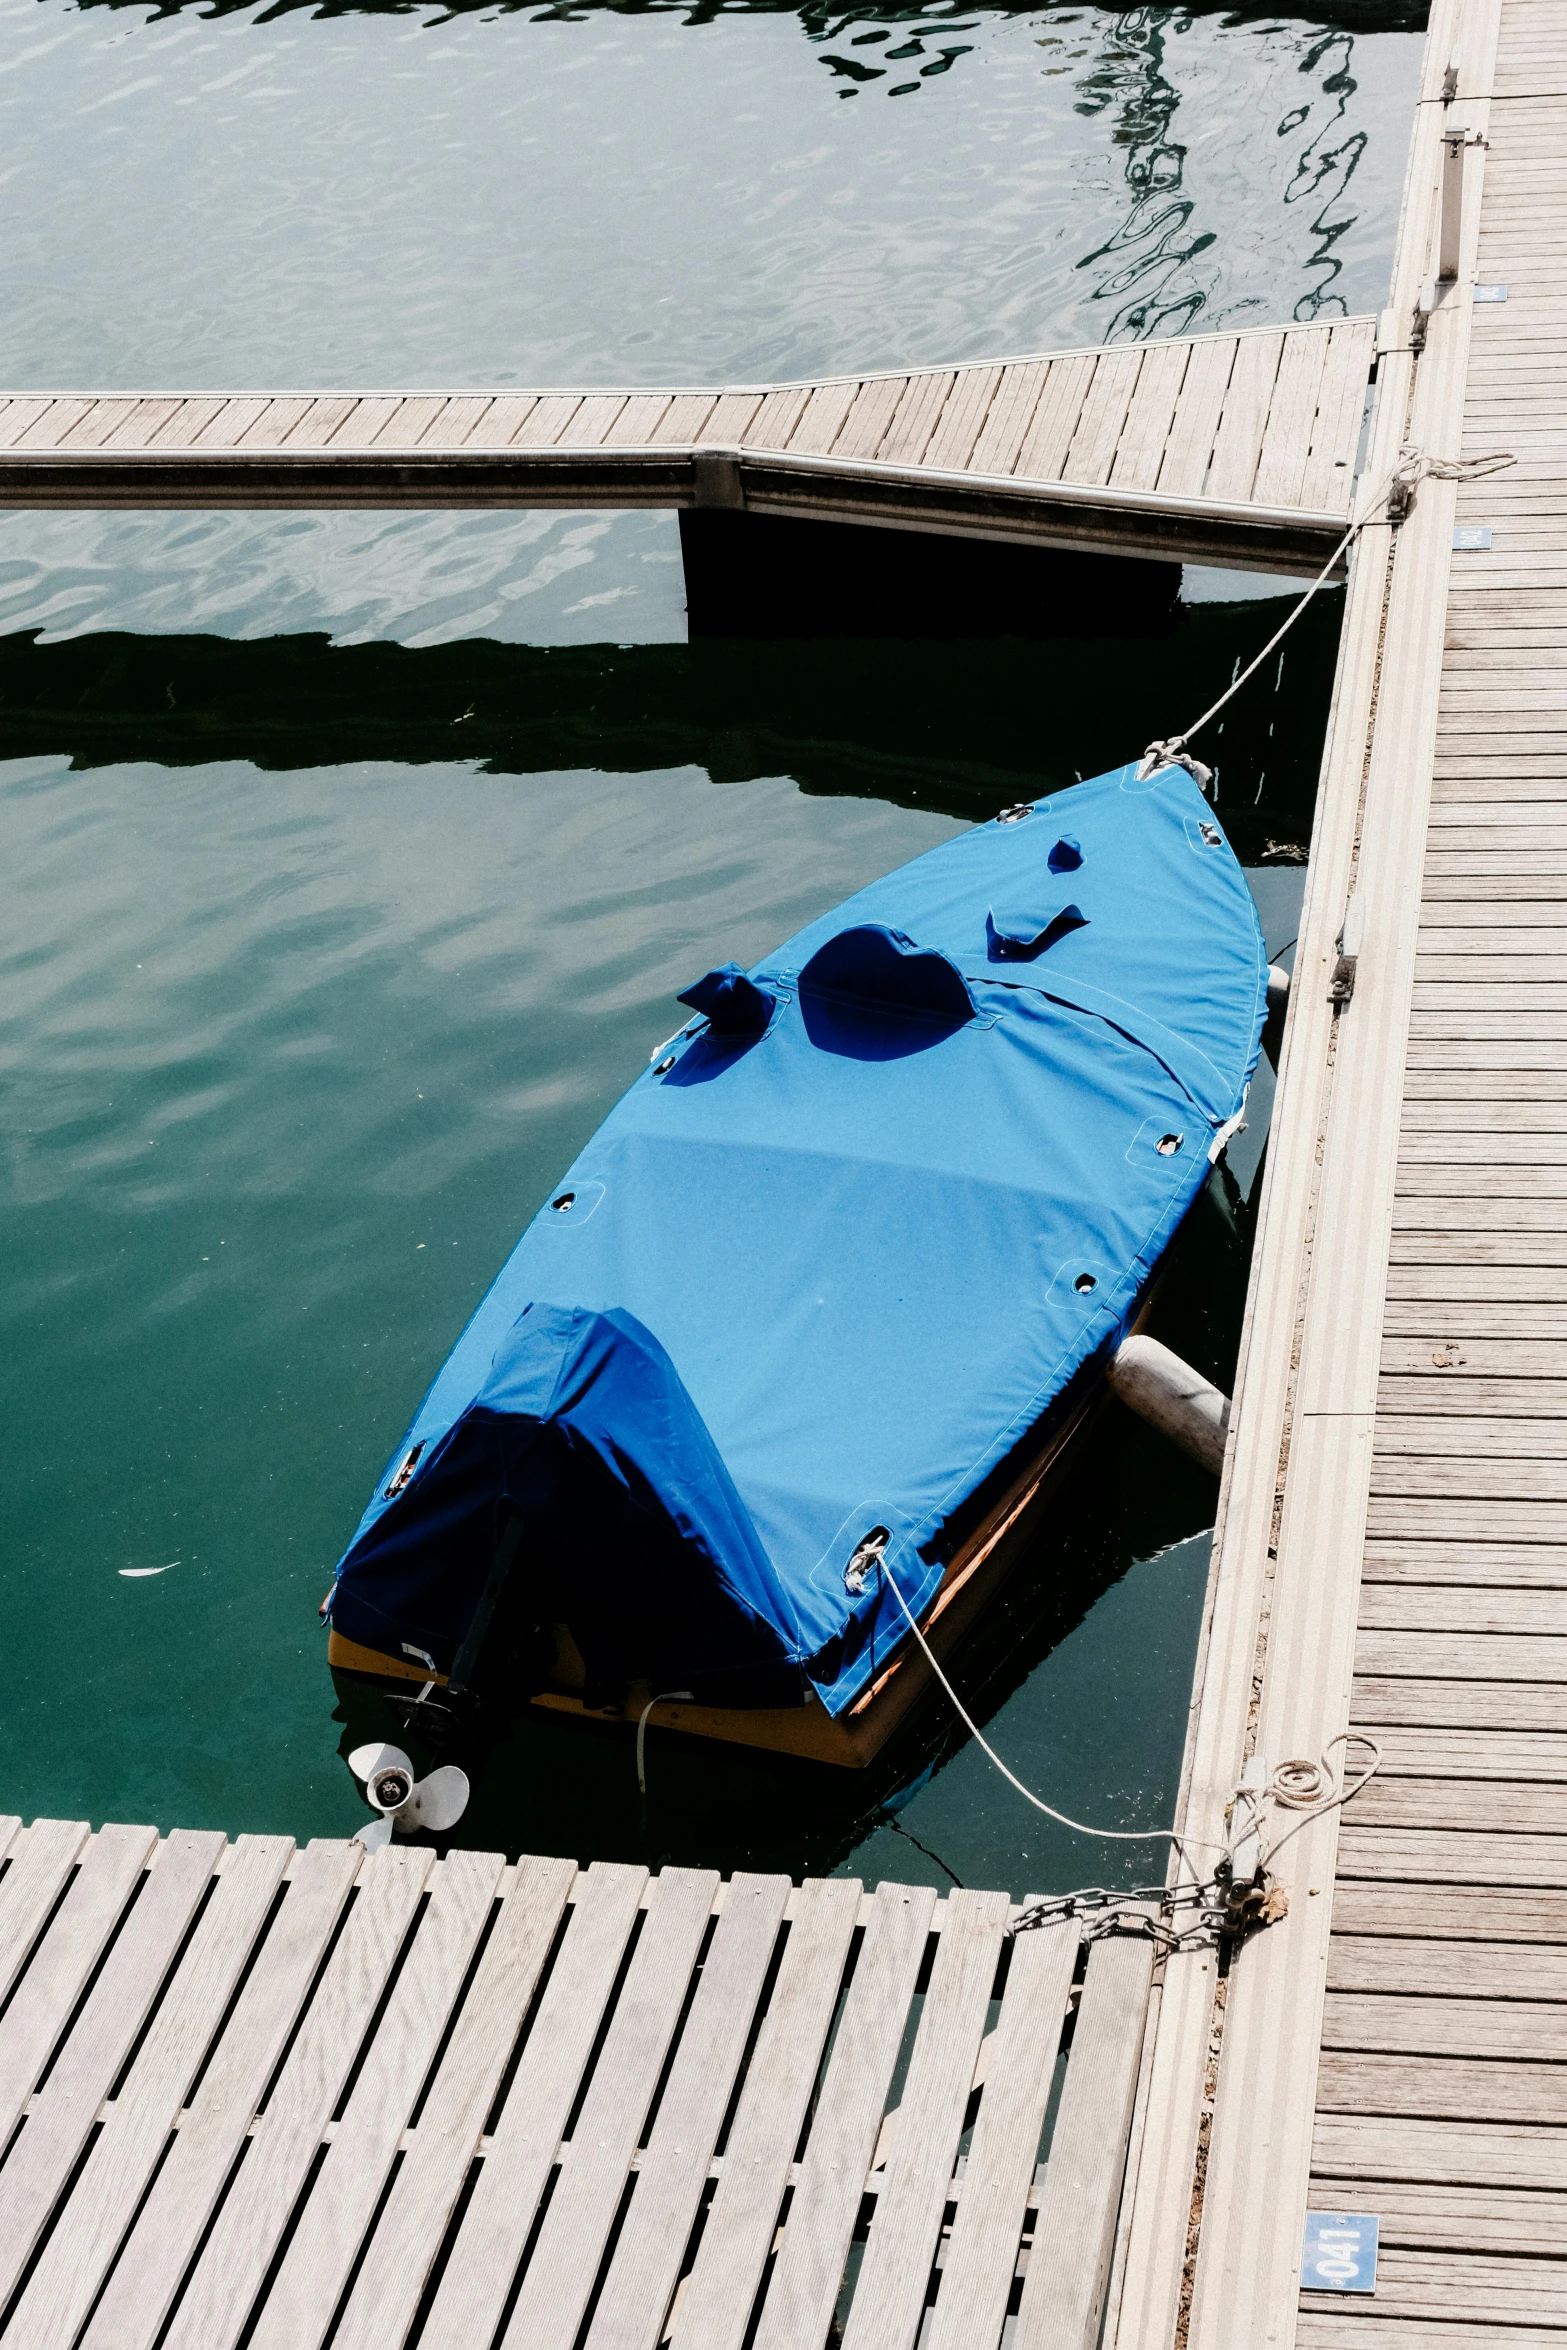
(404, 1802)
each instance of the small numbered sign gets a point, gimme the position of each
(1472, 534)
(1340, 2254)
(1490, 293)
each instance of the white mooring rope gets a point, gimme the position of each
(1392, 503)
(1300, 1785)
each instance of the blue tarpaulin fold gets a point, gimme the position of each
(823, 1268)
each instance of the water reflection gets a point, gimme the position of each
(656, 194)
(1161, 270)
(959, 729)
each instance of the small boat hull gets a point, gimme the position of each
(852, 1740)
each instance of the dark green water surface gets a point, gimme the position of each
(351, 864)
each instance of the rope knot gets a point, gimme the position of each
(1171, 754)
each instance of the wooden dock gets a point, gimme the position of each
(282, 2097)
(1390, 1555)
(1231, 449)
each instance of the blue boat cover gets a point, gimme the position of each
(834, 1255)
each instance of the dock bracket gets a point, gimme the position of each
(715, 479)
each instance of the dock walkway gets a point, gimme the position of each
(1392, 1547)
(1230, 448)
(277, 2097)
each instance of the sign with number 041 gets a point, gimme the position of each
(1340, 2254)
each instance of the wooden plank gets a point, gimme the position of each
(820, 2222)
(83, 2073)
(976, 2280)
(1508, 2155)
(1504, 1807)
(1237, 444)
(951, 446)
(303, 2296)
(638, 420)
(370, 417)
(110, 1872)
(1451, 1856)
(169, 2226)
(735, 414)
(1521, 1563)
(1063, 2292)
(673, 2173)
(47, 430)
(685, 417)
(1404, 1607)
(411, 2227)
(547, 423)
(1106, 406)
(228, 427)
(868, 420)
(1461, 1656)
(136, 2131)
(776, 419)
(1061, 403)
(1392, 2023)
(890, 2291)
(17, 416)
(1471, 1754)
(477, 2279)
(31, 1886)
(564, 2264)
(1150, 418)
(1329, 477)
(1446, 2088)
(1333, 2329)
(1461, 1705)
(1467, 1913)
(1448, 2218)
(502, 420)
(1400, 1964)
(1011, 413)
(1287, 435)
(272, 426)
(1183, 471)
(187, 424)
(1430, 2286)
(101, 422)
(215, 2307)
(715, 2306)
(917, 416)
(321, 420)
(591, 420)
(822, 417)
(457, 420)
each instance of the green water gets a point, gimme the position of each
(349, 873)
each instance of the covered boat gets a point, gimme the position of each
(806, 1325)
